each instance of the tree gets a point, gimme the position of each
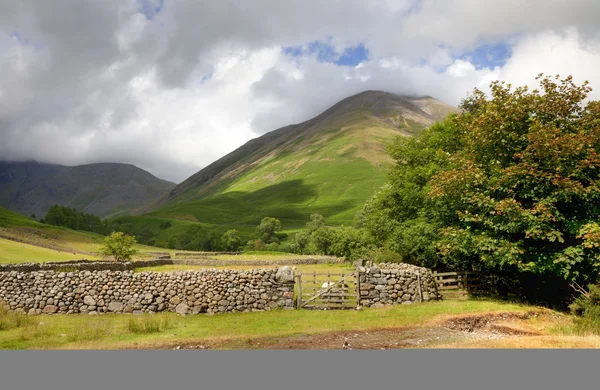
(268, 230)
(231, 240)
(316, 221)
(119, 246)
(510, 184)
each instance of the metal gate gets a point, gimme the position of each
(327, 291)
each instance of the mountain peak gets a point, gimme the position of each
(347, 139)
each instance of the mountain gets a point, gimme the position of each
(330, 164)
(104, 189)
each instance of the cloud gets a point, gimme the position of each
(171, 86)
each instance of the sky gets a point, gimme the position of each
(173, 85)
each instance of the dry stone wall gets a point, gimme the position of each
(390, 283)
(188, 292)
(39, 290)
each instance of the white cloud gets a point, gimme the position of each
(98, 81)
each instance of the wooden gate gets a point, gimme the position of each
(327, 291)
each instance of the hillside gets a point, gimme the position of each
(330, 164)
(105, 189)
(24, 239)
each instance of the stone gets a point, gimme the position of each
(89, 301)
(182, 308)
(50, 309)
(175, 300)
(116, 307)
(284, 274)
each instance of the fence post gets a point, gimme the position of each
(299, 297)
(419, 284)
(357, 287)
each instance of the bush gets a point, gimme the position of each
(272, 247)
(383, 255)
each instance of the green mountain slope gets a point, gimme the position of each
(330, 164)
(105, 189)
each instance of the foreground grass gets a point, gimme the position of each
(113, 331)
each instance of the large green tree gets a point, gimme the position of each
(513, 182)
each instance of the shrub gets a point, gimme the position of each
(272, 247)
(119, 246)
(383, 255)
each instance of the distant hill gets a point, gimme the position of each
(330, 164)
(105, 189)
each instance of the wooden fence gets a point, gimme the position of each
(457, 280)
(327, 290)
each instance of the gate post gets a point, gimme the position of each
(299, 297)
(357, 287)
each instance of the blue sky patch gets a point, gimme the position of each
(24, 41)
(150, 8)
(324, 52)
(488, 56)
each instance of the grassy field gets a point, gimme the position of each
(305, 268)
(420, 325)
(17, 252)
(24, 239)
(225, 330)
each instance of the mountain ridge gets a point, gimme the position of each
(103, 189)
(351, 134)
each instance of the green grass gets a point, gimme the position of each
(331, 172)
(16, 252)
(112, 331)
(24, 239)
(305, 268)
(148, 324)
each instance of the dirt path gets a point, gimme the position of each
(443, 332)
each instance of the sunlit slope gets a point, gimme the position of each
(330, 164)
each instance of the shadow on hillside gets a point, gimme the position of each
(288, 201)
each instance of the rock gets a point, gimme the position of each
(116, 307)
(50, 309)
(89, 301)
(175, 300)
(182, 308)
(284, 274)
(128, 308)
